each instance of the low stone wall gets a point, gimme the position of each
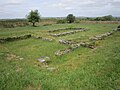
(14, 38)
(102, 36)
(73, 47)
(87, 44)
(70, 42)
(67, 50)
(43, 38)
(64, 29)
(2, 40)
(67, 42)
(68, 33)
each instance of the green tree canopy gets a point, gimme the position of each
(70, 18)
(33, 17)
(105, 18)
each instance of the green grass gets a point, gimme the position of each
(81, 69)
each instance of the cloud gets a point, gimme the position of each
(15, 1)
(49, 8)
(58, 5)
(11, 3)
(69, 8)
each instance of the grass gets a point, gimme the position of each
(81, 69)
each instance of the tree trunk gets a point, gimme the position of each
(70, 21)
(33, 24)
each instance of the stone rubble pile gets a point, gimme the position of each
(65, 29)
(11, 56)
(67, 33)
(2, 40)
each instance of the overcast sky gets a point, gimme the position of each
(59, 8)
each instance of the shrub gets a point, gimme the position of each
(61, 21)
(8, 25)
(77, 21)
(47, 24)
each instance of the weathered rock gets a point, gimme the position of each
(44, 59)
(69, 42)
(51, 69)
(47, 39)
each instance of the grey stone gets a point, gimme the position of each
(44, 59)
(51, 68)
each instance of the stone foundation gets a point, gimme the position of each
(2, 40)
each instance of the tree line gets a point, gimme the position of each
(34, 17)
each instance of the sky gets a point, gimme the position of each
(59, 8)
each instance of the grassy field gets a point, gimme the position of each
(81, 69)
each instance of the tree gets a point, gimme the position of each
(108, 18)
(70, 18)
(33, 17)
(104, 18)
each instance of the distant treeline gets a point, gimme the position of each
(11, 23)
(103, 18)
(79, 19)
(106, 18)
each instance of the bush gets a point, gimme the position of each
(13, 23)
(77, 21)
(47, 24)
(8, 25)
(104, 18)
(61, 21)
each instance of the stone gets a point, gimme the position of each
(41, 60)
(47, 39)
(51, 69)
(21, 58)
(44, 59)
